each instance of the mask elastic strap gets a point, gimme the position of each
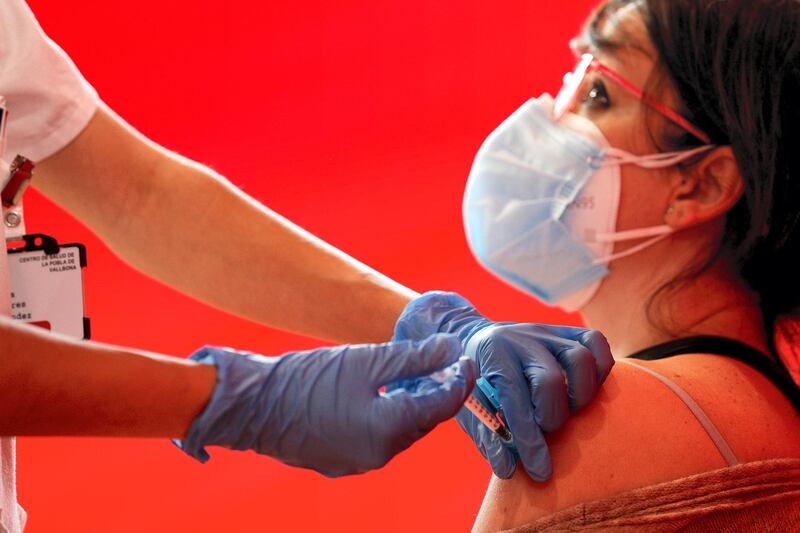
(658, 234)
(617, 156)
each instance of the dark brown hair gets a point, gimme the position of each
(735, 65)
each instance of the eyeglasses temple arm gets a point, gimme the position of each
(658, 106)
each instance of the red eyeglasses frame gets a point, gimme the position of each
(573, 82)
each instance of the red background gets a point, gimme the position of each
(357, 120)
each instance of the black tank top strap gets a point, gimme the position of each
(728, 348)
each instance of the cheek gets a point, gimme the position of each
(625, 128)
(628, 124)
(643, 193)
(643, 199)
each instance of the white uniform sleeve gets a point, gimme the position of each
(49, 102)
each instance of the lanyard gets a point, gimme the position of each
(14, 187)
(45, 278)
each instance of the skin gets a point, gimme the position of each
(637, 432)
(155, 208)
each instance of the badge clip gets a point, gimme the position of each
(20, 176)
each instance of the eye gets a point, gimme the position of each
(597, 95)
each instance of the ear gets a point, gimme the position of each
(708, 190)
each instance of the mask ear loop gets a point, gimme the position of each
(617, 156)
(659, 233)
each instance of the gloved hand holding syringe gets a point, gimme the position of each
(323, 409)
(482, 403)
(531, 377)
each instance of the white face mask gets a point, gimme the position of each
(541, 204)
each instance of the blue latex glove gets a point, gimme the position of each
(540, 373)
(322, 410)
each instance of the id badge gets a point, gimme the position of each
(46, 282)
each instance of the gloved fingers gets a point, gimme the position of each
(546, 387)
(535, 456)
(425, 315)
(591, 339)
(394, 361)
(415, 385)
(597, 344)
(565, 332)
(409, 385)
(500, 457)
(531, 375)
(410, 412)
(581, 371)
(523, 415)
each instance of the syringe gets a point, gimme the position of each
(479, 402)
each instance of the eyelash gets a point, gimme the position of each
(597, 95)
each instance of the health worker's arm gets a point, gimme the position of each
(52, 385)
(190, 228)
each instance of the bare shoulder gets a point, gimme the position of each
(755, 418)
(638, 432)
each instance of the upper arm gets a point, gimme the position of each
(106, 170)
(636, 433)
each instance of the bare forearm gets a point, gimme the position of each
(50, 385)
(225, 248)
(191, 229)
